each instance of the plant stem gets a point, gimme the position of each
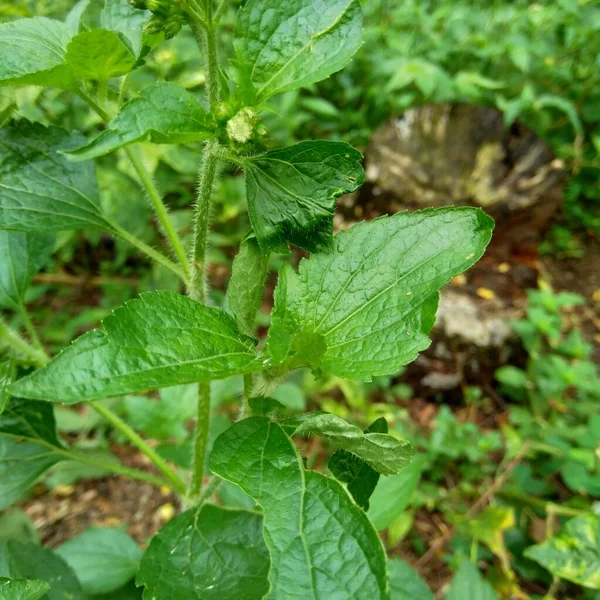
(160, 209)
(148, 250)
(139, 443)
(557, 509)
(201, 440)
(29, 326)
(162, 214)
(13, 339)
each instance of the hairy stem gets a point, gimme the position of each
(146, 181)
(139, 443)
(30, 328)
(201, 439)
(13, 339)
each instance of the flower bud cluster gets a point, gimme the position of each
(167, 16)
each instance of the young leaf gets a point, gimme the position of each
(292, 193)
(573, 553)
(406, 583)
(125, 20)
(281, 46)
(27, 561)
(32, 52)
(468, 584)
(392, 494)
(103, 559)
(23, 255)
(207, 553)
(159, 340)
(164, 113)
(27, 442)
(383, 452)
(99, 55)
(22, 589)
(366, 307)
(316, 535)
(40, 190)
(247, 284)
(360, 478)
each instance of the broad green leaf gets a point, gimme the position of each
(360, 478)
(468, 584)
(247, 284)
(164, 113)
(322, 545)
(99, 55)
(265, 406)
(208, 553)
(74, 16)
(16, 524)
(365, 307)
(27, 561)
(122, 18)
(27, 447)
(392, 494)
(22, 589)
(41, 190)
(32, 52)
(573, 553)
(23, 255)
(384, 453)
(103, 559)
(292, 192)
(159, 340)
(406, 583)
(282, 46)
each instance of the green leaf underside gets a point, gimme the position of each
(247, 284)
(99, 55)
(23, 255)
(210, 553)
(32, 52)
(28, 561)
(292, 192)
(41, 190)
(282, 45)
(360, 478)
(322, 545)
(160, 339)
(366, 307)
(392, 494)
(164, 113)
(468, 584)
(22, 589)
(103, 559)
(573, 553)
(383, 452)
(406, 583)
(27, 434)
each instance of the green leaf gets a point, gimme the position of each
(406, 582)
(23, 255)
(573, 553)
(383, 452)
(247, 284)
(27, 441)
(488, 527)
(366, 307)
(16, 524)
(468, 584)
(158, 340)
(265, 406)
(7, 376)
(122, 18)
(40, 190)
(282, 46)
(22, 589)
(103, 559)
(164, 113)
(321, 544)
(207, 553)
(392, 494)
(32, 52)
(28, 561)
(292, 192)
(360, 479)
(75, 15)
(99, 55)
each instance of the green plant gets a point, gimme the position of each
(361, 306)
